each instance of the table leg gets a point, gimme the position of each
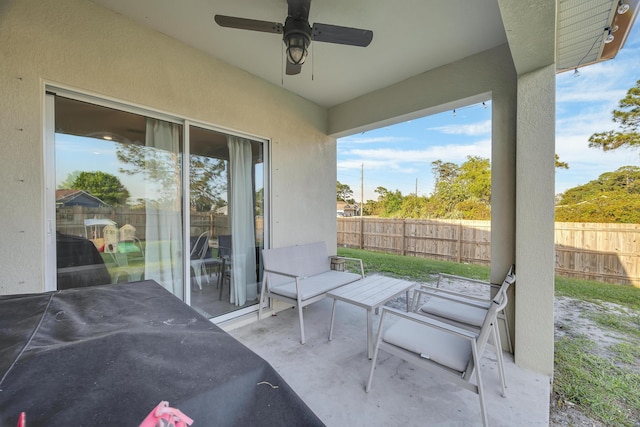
(369, 333)
(333, 317)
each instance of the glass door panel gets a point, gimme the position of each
(226, 227)
(118, 197)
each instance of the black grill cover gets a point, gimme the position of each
(107, 355)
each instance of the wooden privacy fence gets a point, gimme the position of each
(603, 252)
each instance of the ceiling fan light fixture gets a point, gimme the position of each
(297, 47)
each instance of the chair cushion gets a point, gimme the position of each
(455, 311)
(315, 285)
(441, 347)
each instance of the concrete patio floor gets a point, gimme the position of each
(330, 376)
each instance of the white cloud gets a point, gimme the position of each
(605, 82)
(584, 124)
(356, 164)
(586, 164)
(580, 94)
(480, 128)
(371, 140)
(383, 157)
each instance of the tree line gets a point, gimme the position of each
(460, 191)
(464, 191)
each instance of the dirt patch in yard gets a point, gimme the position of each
(575, 318)
(570, 320)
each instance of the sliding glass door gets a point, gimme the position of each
(120, 204)
(227, 233)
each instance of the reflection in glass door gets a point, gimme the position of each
(118, 197)
(226, 221)
(119, 206)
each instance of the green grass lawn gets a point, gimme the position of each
(418, 269)
(604, 388)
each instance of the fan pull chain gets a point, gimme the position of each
(282, 64)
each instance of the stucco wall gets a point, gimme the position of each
(535, 226)
(77, 44)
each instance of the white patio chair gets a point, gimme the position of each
(465, 311)
(198, 258)
(441, 347)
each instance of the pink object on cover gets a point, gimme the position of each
(165, 416)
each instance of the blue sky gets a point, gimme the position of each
(76, 153)
(396, 156)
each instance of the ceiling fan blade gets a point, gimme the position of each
(293, 69)
(248, 24)
(299, 9)
(341, 35)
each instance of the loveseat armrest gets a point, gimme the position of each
(351, 259)
(269, 272)
(281, 273)
(295, 277)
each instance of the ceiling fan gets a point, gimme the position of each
(297, 33)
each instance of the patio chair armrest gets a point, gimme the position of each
(461, 299)
(455, 296)
(429, 322)
(466, 279)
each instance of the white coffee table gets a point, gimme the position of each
(369, 293)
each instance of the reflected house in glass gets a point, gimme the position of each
(66, 198)
(146, 157)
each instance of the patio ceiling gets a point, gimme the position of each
(410, 37)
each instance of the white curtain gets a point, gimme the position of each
(163, 211)
(241, 213)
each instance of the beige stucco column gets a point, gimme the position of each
(535, 187)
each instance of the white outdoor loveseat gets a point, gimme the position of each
(301, 275)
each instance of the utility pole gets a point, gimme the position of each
(361, 189)
(416, 187)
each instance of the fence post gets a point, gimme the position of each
(403, 250)
(459, 241)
